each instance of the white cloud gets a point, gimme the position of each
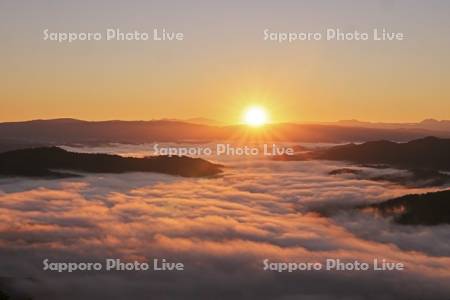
(221, 229)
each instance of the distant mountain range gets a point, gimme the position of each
(54, 162)
(66, 131)
(205, 121)
(428, 124)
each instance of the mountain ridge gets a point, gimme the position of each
(54, 162)
(425, 153)
(61, 131)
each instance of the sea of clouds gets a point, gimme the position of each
(221, 229)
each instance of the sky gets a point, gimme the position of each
(224, 65)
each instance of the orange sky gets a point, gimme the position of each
(224, 65)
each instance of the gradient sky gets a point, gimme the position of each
(224, 65)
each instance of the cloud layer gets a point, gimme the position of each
(221, 229)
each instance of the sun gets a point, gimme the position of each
(255, 116)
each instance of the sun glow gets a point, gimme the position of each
(255, 116)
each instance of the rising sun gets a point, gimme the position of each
(255, 116)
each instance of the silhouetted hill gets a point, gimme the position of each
(49, 161)
(422, 209)
(65, 131)
(13, 144)
(427, 153)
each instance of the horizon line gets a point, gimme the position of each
(222, 123)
